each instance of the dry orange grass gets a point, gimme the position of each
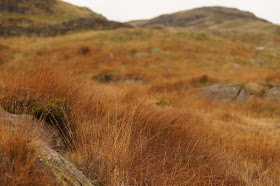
(182, 55)
(122, 135)
(18, 158)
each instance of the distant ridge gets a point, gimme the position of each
(199, 18)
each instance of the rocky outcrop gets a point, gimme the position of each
(220, 93)
(88, 23)
(62, 170)
(240, 94)
(274, 94)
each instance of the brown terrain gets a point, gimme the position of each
(190, 98)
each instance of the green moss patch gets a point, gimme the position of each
(162, 102)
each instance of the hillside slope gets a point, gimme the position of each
(43, 11)
(27, 6)
(48, 18)
(204, 18)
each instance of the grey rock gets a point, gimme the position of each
(242, 97)
(220, 93)
(273, 94)
(64, 171)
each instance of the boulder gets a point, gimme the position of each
(64, 171)
(273, 94)
(242, 97)
(221, 93)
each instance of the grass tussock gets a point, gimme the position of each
(18, 159)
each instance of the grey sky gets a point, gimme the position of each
(125, 10)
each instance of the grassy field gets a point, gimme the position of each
(136, 117)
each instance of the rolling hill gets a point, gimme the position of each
(205, 18)
(227, 23)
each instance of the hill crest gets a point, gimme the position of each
(199, 18)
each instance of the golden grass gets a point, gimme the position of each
(18, 158)
(122, 136)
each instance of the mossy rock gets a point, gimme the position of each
(62, 170)
(56, 113)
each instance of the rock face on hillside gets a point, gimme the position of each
(23, 6)
(274, 94)
(90, 23)
(240, 94)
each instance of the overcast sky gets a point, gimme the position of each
(126, 10)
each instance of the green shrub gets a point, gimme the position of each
(204, 79)
(162, 102)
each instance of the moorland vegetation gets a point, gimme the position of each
(128, 105)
